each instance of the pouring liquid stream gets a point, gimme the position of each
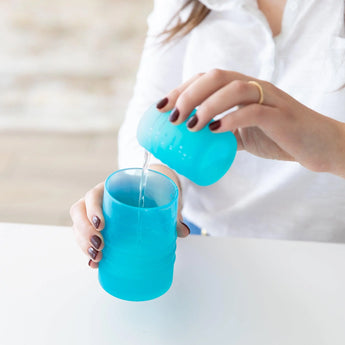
(142, 186)
(143, 179)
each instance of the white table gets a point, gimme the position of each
(225, 291)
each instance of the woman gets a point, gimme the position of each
(282, 65)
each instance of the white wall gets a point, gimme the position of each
(68, 64)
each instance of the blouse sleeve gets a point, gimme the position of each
(160, 70)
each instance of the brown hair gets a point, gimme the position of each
(198, 13)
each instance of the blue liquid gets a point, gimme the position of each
(132, 269)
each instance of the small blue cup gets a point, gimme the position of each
(139, 243)
(203, 157)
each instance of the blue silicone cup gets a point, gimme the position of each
(139, 243)
(203, 157)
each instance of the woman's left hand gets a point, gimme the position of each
(279, 128)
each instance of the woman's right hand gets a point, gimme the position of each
(88, 220)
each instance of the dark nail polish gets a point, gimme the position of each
(90, 262)
(174, 115)
(93, 252)
(186, 226)
(96, 221)
(162, 103)
(214, 125)
(192, 121)
(96, 241)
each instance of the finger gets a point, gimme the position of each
(87, 248)
(93, 203)
(182, 229)
(168, 102)
(261, 116)
(86, 235)
(238, 137)
(200, 90)
(93, 264)
(235, 93)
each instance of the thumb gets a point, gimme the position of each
(182, 228)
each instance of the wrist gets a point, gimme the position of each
(342, 153)
(339, 166)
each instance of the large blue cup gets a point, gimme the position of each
(139, 243)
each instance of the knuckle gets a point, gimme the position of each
(271, 89)
(216, 73)
(285, 112)
(84, 238)
(198, 75)
(94, 193)
(74, 208)
(78, 237)
(206, 109)
(89, 194)
(266, 85)
(239, 86)
(100, 186)
(258, 110)
(185, 98)
(174, 93)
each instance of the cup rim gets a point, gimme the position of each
(175, 196)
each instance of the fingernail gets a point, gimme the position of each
(192, 121)
(93, 252)
(214, 125)
(174, 115)
(162, 103)
(90, 262)
(96, 241)
(96, 221)
(186, 226)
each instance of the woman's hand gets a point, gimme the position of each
(88, 220)
(279, 128)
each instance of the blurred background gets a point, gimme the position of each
(67, 70)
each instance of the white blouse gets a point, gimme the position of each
(257, 197)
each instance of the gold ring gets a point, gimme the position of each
(261, 91)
